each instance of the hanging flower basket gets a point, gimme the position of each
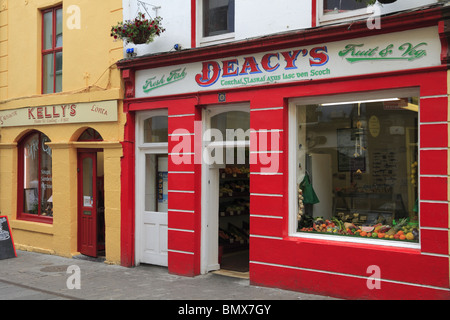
(138, 31)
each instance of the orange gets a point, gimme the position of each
(400, 232)
(381, 235)
(363, 234)
(402, 237)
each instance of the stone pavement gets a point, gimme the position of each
(35, 276)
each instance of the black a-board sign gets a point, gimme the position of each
(7, 249)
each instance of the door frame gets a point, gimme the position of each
(141, 150)
(80, 206)
(210, 188)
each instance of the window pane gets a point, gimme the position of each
(233, 125)
(156, 129)
(31, 174)
(46, 178)
(336, 6)
(357, 169)
(48, 30)
(47, 76)
(59, 29)
(90, 135)
(218, 17)
(88, 193)
(58, 73)
(156, 179)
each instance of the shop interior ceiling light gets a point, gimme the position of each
(362, 101)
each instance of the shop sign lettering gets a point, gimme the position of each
(241, 69)
(419, 48)
(155, 83)
(102, 111)
(52, 112)
(406, 51)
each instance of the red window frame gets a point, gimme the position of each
(54, 50)
(21, 215)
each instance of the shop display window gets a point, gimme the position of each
(35, 185)
(357, 169)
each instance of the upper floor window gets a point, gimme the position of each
(218, 17)
(52, 42)
(35, 178)
(332, 10)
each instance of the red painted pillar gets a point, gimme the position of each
(128, 193)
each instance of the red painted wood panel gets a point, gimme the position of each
(433, 188)
(266, 119)
(264, 205)
(434, 136)
(434, 109)
(182, 220)
(271, 227)
(267, 184)
(433, 162)
(434, 215)
(266, 141)
(182, 264)
(434, 241)
(405, 265)
(181, 181)
(181, 240)
(181, 201)
(339, 286)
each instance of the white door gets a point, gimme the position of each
(151, 189)
(154, 221)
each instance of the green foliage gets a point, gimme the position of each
(138, 31)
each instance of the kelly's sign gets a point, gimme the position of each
(102, 111)
(382, 53)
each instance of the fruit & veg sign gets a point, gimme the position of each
(389, 52)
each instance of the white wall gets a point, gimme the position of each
(254, 18)
(176, 16)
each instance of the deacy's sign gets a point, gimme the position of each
(383, 53)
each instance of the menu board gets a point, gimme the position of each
(7, 249)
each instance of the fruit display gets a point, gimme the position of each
(400, 230)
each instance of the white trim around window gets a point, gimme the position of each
(343, 16)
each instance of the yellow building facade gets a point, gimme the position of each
(60, 100)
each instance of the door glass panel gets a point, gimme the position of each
(233, 125)
(156, 177)
(156, 129)
(88, 195)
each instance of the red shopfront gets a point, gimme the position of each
(343, 179)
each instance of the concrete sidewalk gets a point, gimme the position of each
(38, 276)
